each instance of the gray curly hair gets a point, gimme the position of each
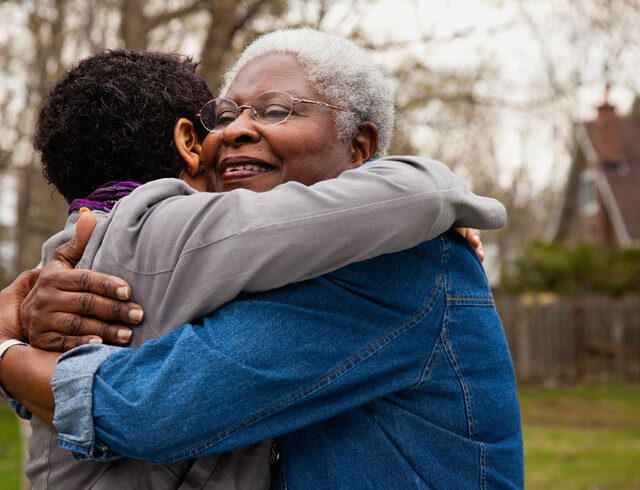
(340, 70)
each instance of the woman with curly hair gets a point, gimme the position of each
(364, 372)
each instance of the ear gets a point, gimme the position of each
(364, 144)
(189, 147)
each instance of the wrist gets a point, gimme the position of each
(5, 345)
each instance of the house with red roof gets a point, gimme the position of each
(601, 202)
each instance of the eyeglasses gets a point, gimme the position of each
(273, 107)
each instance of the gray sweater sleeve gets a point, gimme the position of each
(188, 253)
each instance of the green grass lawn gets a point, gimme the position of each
(582, 438)
(575, 438)
(10, 453)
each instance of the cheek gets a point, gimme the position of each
(325, 160)
(209, 151)
(208, 154)
(314, 155)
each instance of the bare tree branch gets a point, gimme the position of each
(544, 48)
(164, 17)
(250, 13)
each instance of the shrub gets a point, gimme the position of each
(543, 266)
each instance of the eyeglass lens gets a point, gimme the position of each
(270, 107)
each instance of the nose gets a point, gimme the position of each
(241, 131)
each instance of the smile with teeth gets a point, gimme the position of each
(249, 167)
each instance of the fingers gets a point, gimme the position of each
(31, 277)
(69, 254)
(79, 304)
(94, 305)
(84, 280)
(462, 231)
(67, 307)
(80, 327)
(473, 236)
(11, 299)
(58, 342)
(480, 251)
(24, 282)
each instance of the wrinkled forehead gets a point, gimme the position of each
(273, 71)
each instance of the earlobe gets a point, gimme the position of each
(364, 144)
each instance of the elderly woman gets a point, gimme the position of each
(186, 238)
(388, 373)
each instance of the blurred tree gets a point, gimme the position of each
(40, 210)
(227, 24)
(453, 112)
(56, 33)
(232, 24)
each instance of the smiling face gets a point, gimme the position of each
(259, 156)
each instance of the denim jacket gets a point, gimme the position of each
(389, 373)
(185, 253)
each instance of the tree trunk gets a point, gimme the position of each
(134, 25)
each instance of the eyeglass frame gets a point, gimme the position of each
(294, 101)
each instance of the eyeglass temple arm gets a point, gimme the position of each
(318, 103)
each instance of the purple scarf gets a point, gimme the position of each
(105, 196)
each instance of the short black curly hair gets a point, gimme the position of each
(111, 117)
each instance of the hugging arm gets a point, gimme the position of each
(210, 247)
(26, 372)
(199, 250)
(408, 200)
(261, 366)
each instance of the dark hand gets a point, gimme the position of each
(68, 307)
(11, 298)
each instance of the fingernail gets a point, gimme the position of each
(95, 340)
(476, 237)
(84, 210)
(124, 334)
(136, 315)
(122, 292)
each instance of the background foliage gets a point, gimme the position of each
(543, 266)
(485, 94)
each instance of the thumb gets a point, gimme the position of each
(70, 253)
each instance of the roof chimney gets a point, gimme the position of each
(607, 131)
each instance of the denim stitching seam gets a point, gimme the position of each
(430, 366)
(483, 465)
(436, 347)
(463, 382)
(345, 367)
(470, 299)
(454, 362)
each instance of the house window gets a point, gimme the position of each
(588, 193)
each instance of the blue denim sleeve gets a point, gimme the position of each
(270, 363)
(72, 385)
(20, 409)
